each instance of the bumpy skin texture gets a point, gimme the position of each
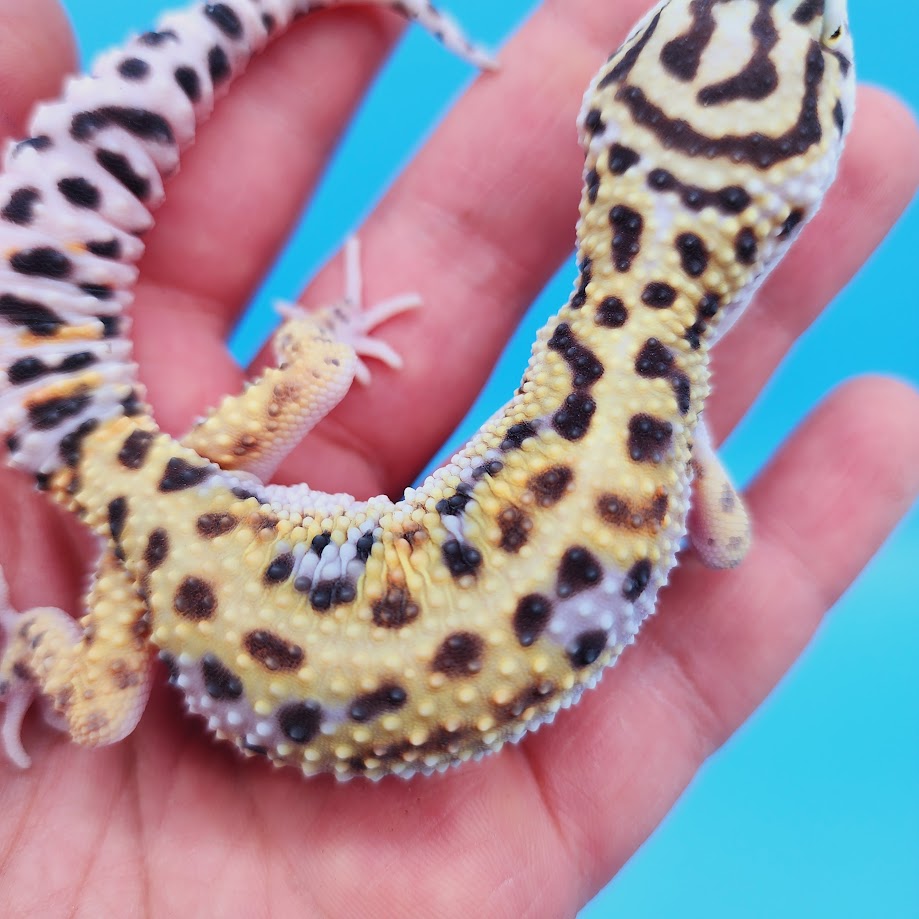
(376, 637)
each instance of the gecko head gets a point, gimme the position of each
(762, 83)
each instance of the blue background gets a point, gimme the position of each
(812, 809)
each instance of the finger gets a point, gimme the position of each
(243, 184)
(241, 189)
(36, 50)
(722, 640)
(860, 209)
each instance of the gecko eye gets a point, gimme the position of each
(831, 38)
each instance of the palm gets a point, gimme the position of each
(166, 821)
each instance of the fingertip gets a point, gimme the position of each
(37, 50)
(897, 123)
(879, 416)
(885, 131)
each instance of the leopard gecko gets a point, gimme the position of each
(394, 637)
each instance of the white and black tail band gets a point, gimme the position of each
(78, 194)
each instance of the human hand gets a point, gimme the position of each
(168, 823)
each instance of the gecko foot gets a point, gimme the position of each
(17, 682)
(351, 323)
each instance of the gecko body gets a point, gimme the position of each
(379, 636)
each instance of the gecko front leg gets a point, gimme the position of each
(319, 354)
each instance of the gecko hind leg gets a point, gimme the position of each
(319, 354)
(95, 674)
(719, 524)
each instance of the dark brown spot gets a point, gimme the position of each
(455, 505)
(180, 474)
(326, 594)
(134, 451)
(693, 254)
(658, 295)
(189, 82)
(143, 124)
(708, 306)
(579, 297)
(388, 698)
(694, 334)
(550, 486)
(612, 314)
(531, 618)
(218, 64)
(111, 326)
(155, 39)
(460, 655)
(636, 580)
(194, 599)
(622, 159)
(592, 183)
(39, 142)
(808, 11)
(48, 414)
(746, 246)
(587, 648)
(791, 223)
(117, 515)
(133, 68)
(579, 570)
(119, 167)
(80, 192)
(20, 208)
(627, 227)
(219, 681)
(395, 609)
(733, 199)
(682, 389)
(585, 366)
(649, 438)
(572, 420)
(225, 18)
(280, 569)
(211, 526)
(839, 116)
(517, 434)
(593, 121)
(300, 721)
(654, 360)
(460, 558)
(157, 549)
(272, 651)
(620, 512)
(43, 262)
(515, 528)
(71, 446)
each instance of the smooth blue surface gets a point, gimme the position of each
(813, 808)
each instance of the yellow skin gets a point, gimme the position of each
(456, 626)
